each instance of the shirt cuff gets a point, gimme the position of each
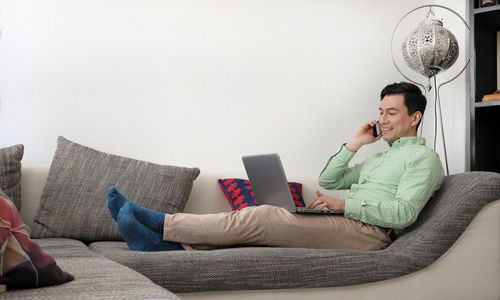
(352, 207)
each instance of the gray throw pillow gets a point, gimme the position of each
(10, 173)
(74, 200)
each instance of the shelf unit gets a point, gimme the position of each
(484, 116)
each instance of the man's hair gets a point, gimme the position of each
(414, 99)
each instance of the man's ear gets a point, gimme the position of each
(417, 116)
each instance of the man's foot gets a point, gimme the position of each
(140, 237)
(149, 218)
(115, 201)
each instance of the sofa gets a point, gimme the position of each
(451, 252)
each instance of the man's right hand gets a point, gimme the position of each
(363, 136)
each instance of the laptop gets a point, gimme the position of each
(268, 179)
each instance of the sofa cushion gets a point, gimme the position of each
(10, 173)
(441, 222)
(73, 202)
(240, 194)
(95, 277)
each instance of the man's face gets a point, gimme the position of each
(394, 119)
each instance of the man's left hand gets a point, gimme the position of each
(324, 201)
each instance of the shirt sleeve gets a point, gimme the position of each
(337, 174)
(423, 176)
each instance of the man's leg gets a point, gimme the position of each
(264, 225)
(272, 226)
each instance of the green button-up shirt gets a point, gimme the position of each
(388, 189)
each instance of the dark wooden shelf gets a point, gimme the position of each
(484, 116)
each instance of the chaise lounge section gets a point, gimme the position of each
(440, 224)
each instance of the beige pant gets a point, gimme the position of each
(267, 225)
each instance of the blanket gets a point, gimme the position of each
(22, 263)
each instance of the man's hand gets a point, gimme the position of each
(363, 136)
(326, 201)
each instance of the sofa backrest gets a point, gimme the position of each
(446, 216)
(33, 179)
(442, 220)
(206, 195)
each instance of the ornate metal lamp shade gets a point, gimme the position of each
(430, 48)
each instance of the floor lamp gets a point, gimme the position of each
(429, 50)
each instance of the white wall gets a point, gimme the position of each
(202, 82)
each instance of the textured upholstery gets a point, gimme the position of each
(439, 225)
(95, 277)
(74, 205)
(10, 173)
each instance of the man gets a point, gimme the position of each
(388, 189)
(387, 192)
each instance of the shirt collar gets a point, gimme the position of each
(408, 140)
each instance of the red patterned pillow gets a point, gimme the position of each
(239, 193)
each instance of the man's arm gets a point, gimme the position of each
(363, 136)
(337, 174)
(424, 175)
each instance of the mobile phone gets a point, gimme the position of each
(377, 130)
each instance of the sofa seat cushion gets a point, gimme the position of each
(440, 224)
(250, 267)
(95, 276)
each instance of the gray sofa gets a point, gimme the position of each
(427, 252)
(250, 272)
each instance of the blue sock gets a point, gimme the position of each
(151, 219)
(115, 201)
(140, 237)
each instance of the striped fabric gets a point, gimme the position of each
(10, 173)
(74, 204)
